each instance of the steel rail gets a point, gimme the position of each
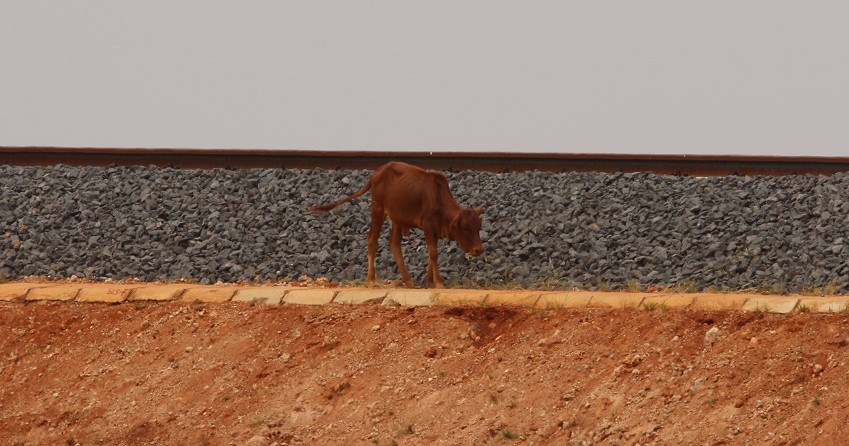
(695, 165)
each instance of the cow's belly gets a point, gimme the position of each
(404, 221)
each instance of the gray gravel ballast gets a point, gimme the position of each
(547, 230)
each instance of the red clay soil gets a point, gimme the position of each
(238, 374)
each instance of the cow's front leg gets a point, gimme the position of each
(395, 246)
(432, 276)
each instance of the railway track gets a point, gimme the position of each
(694, 165)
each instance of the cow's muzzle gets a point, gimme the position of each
(476, 251)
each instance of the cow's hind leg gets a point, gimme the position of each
(377, 219)
(395, 246)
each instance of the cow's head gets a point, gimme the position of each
(465, 230)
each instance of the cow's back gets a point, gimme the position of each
(409, 195)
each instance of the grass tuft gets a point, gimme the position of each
(508, 434)
(655, 306)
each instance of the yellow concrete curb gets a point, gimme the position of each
(667, 301)
(14, 291)
(270, 295)
(557, 300)
(716, 302)
(209, 294)
(158, 292)
(518, 298)
(309, 296)
(106, 293)
(823, 304)
(266, 295)
(57, 292)
(615, 300)
(359, 296)
(459, 297)
(780, 305)
(413, 298)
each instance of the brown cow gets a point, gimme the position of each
(415, 198)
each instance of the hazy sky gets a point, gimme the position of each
(677, 76)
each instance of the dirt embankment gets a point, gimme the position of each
(236, 374)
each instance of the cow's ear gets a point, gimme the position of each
(478, 210)
(453, 223)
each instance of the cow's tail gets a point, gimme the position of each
(323, 209)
